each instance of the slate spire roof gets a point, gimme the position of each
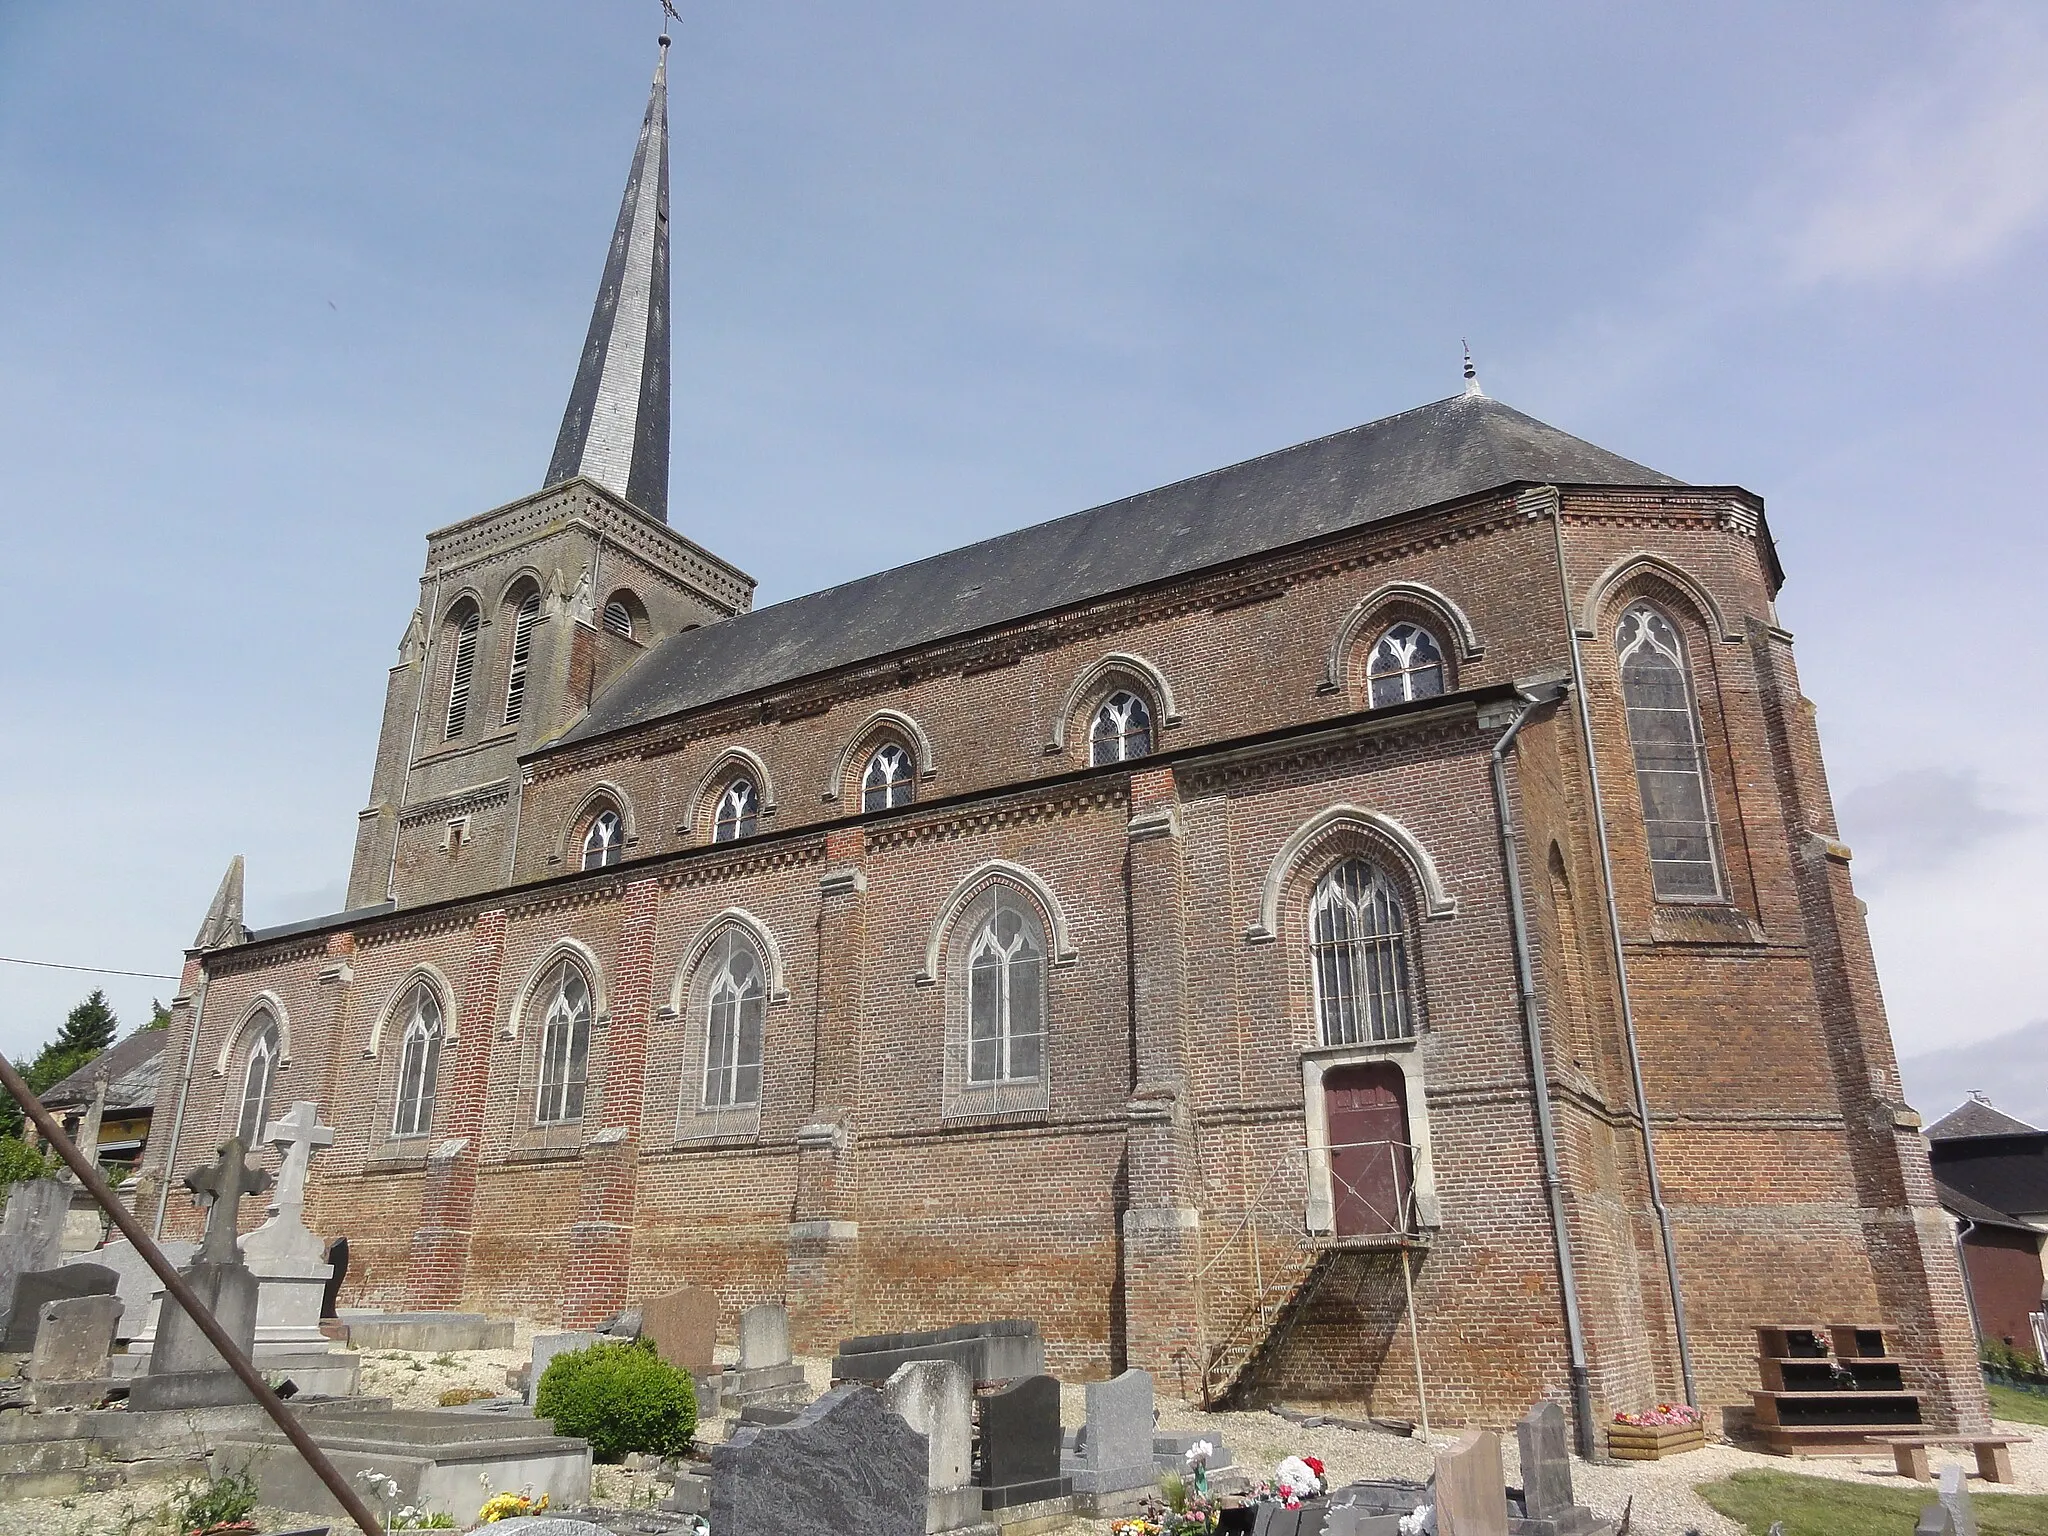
(615, 430)
(1455, 448)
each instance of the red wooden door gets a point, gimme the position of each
(1371, 1171)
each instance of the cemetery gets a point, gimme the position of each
(688, 1413)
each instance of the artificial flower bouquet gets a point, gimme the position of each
(1663, 1416)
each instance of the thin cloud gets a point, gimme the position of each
(1939, 176)
(1922, 820)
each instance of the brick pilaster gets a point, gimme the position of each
(823, 1282)
(439, 1264)
(601, 1240)
(1161, 1221)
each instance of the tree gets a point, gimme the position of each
(88, 1029)
(159, 1016)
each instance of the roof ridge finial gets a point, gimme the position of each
(1472, 389)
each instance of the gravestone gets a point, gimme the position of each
(845, 1464)
(765, 1373)
(37, 1289)
(1020, 1445)
(1113, 1450)
(136, 1283)
(684, 1327)
(31, 1233)
(185, 1370)
(74, 1339)
(764, 1336)
(1471, 1494)
(289, 1262)
(1278, 1520)
(545, 1347)
(935, 1398)
(1008, 1350)
(1955, 1498)
(85, 1224)
(1935, 1520)
(1547, 1500)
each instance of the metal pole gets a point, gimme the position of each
(178, 1290)
(1415, 1342)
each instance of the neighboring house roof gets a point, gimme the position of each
(1976, 1118)
(1439, 453)
(130, 1066)
(1970, 1208)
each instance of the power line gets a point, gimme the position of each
(96, 970)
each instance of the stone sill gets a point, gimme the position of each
(406, 1161)
(542, 1155)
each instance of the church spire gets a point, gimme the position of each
(616, 427)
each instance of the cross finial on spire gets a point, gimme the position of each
(1472, 389)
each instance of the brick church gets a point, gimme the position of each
(1362, 924)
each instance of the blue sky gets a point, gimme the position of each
(281, 288)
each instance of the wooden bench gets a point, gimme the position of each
(1994, 1461)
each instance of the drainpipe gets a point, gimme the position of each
(1532, 1025)
(1964, 1227)
(163, 1194)
(1628, 1016)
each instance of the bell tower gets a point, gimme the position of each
(526, 612)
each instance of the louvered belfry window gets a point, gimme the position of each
(1664, 732)
(463, 673)
(618, 618)
(522, 653)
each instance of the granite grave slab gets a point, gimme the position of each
(1020, 1445)
(846, 1464)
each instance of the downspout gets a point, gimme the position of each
(1966, 1225)
(163, 1195)
(1532, 1025)
(412, 741)
(1628, 1016)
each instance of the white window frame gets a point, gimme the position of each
(1400, 644)
(737, 814)
(1111, 728)
(263, 1053)
(1674, 652)
(604, 843)
(891, 774)
(419, 1077)
(1380, 944)
(569, 1080)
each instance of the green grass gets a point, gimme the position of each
(1815, 1506)
(2020, 1407)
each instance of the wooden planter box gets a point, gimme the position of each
(1649, 1442)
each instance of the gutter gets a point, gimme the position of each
(1628, 1016)
(1965, 1226)
(1532, 1025)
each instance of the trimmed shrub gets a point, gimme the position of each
(621, 1398)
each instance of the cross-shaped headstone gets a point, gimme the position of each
(296, 1135)
(220, 1186)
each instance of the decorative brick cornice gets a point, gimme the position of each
(1031, 805)
(463, 802)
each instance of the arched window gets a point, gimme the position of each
(1006, 992)
(462, 673)
(419, 1063)
(735, 1008)
(522, 655)
(1358, 942)
(1122, 730)
(1664, 732)
(890, 779)
(257, 1079)
(564, 1046)
(738, 813)
(618, 618)
(1406, 663)
(605, 842)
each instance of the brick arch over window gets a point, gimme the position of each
(1634, 576)
(423, 972)
(1325, 838)
(731, 763)
(883, 725)
(238, 1038)
(764, 941)
(601, 797)
(1059, 936)
(1100, 679)
(1389, 604)
(527, 998)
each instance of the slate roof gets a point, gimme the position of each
(131, 1067)
(1431, 455)
(1956, 1203)
(1976, 1118)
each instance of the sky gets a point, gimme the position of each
(283, 288)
